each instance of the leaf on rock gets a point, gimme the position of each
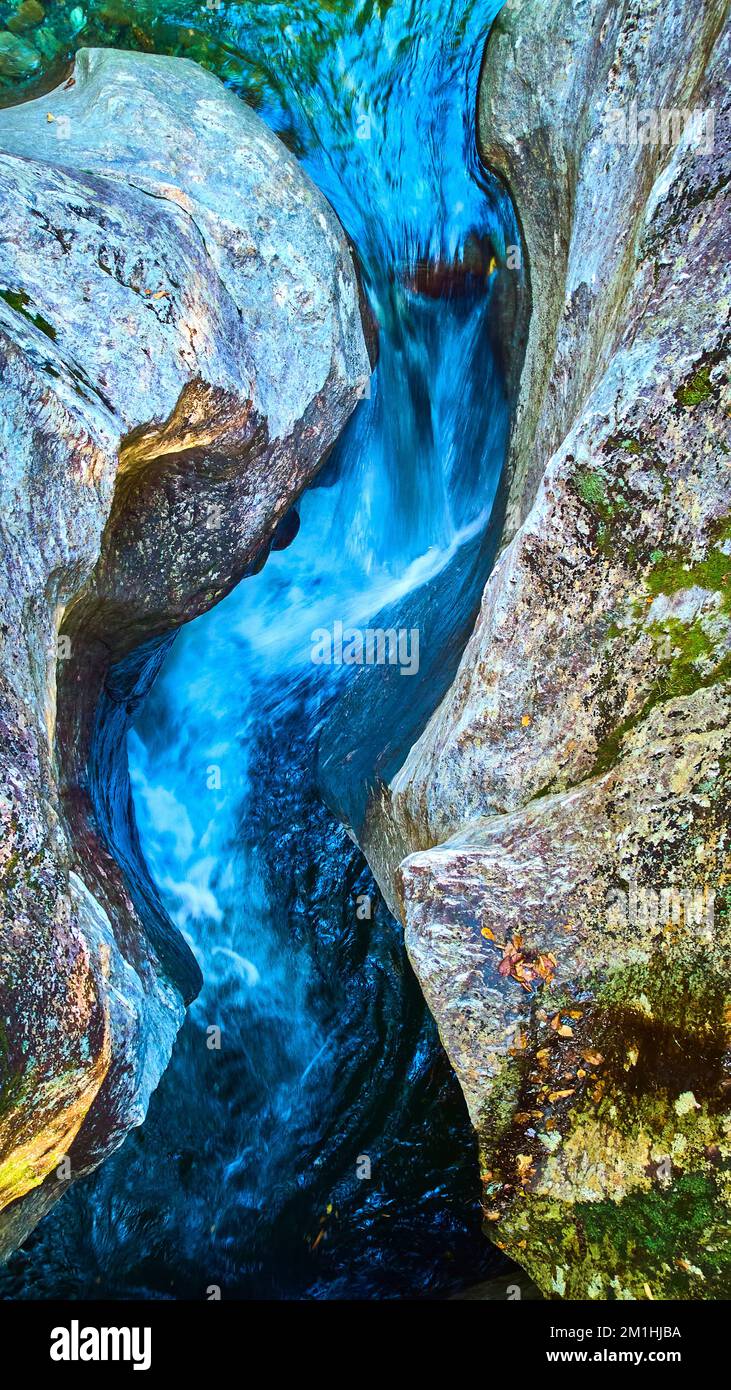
(594, 1059)
(525, 966)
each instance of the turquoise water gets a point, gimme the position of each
(249, 1172)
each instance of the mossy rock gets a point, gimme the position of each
(673, 1244)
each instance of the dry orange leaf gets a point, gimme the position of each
(525, 966)
(594, 1059)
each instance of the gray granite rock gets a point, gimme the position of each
(580, 759)
(180, 344)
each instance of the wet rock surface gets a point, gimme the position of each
(557, 840)
(181, 343)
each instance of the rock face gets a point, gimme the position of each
(557, 841)
(181, 343)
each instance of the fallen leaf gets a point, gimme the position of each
(524, 966)
(489, 934)
(691, 1269)
(560, 1095)
(545, 966)
(594, 1059)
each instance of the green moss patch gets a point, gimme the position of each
(698, 388)
(608, 506)
(19, 301)
(659, 1244)
(672, 573)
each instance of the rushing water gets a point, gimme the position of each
(323, 1149)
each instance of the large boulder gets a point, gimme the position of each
(181, 343)
(557, 841)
